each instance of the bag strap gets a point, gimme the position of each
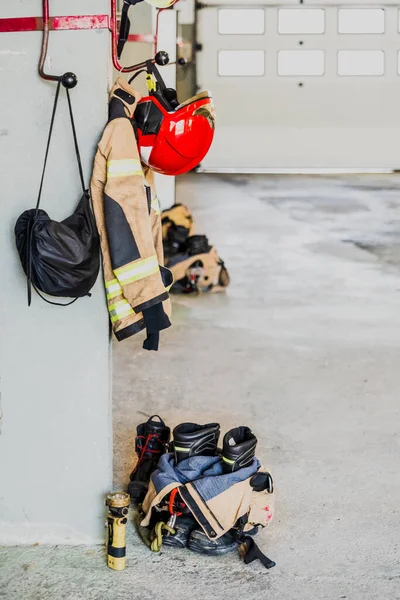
(53, 116)
(251, 552)
(248, 549)
(78, 156)
(51, 301)
(77, 153)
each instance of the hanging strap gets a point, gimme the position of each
(77, 153)
(32, 224)
(251, 552)
(248, 549)
(53, 116)
(125, 25)
(51, 301)
(124, 28)
(78, 156)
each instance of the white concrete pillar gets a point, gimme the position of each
(55, 440)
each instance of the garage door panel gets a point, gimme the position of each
(244, 21)
(233, 3)
(296, 145)
(351, 3)
(307, 107)
(329, 72)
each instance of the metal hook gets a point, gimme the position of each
(69, 80)
(114, 39)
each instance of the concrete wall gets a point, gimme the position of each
(55, 440)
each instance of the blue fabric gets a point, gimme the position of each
(177, 259)
(205, 472)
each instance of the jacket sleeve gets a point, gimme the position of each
(129, 230)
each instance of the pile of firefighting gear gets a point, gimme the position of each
(193, 262)
(193, 495)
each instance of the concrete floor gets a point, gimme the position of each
(305, 349)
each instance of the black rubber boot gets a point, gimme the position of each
(199, 542)
(176, 240)
(238, 449)
(151, 442)
(191, 439)
(184, 526)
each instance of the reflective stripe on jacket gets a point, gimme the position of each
(127, 214)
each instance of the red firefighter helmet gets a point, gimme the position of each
(174, 138)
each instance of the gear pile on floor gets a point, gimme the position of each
(194, 263)
(191, 494)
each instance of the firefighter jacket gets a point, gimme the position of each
(128, 219)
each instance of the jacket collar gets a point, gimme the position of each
(127, 97)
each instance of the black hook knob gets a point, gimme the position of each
(162, 58)
(69, 80)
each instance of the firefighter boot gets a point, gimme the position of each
(184, 525)
(191, 439)
(238, 449)
(151, 442)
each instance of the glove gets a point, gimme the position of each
(155, 320)
(152, 341)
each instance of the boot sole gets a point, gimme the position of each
(210, 549)
(172, 541)
(137, 491)
(184, 528)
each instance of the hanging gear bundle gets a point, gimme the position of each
(128, 218)
(208, 500)
(173, 138)
(59, 258)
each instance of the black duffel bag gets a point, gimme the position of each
(59, 258)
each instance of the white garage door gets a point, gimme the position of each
(307, 86)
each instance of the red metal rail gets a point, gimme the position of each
(18, 24)
(12, 25)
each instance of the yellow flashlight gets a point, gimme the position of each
(118, 506)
